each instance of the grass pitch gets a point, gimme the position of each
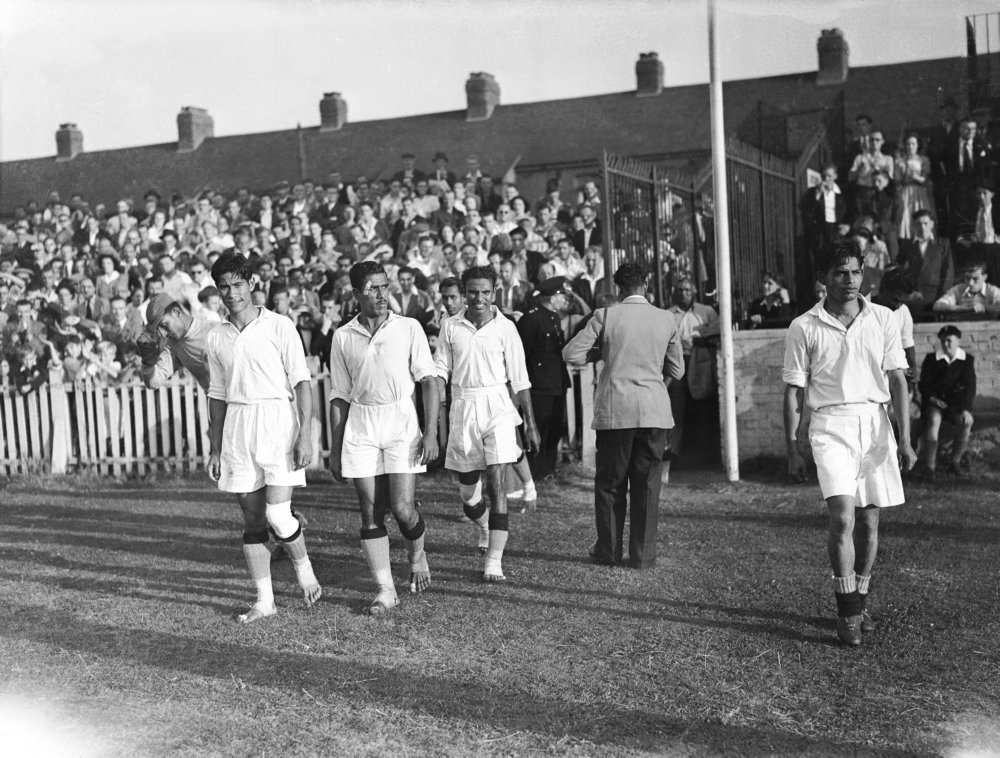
(118, 634)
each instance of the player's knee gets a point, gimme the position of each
(499, 522)
(280, 518)
(411, 528)
(841, 523)
(471, 494)
(255, 536)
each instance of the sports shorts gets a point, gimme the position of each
(482, 429)
(258, 441)
(381, 439)
(855, 453)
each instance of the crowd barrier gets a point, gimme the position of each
(133, 431)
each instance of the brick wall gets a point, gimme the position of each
(759, 390)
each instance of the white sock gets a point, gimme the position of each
(494, 552)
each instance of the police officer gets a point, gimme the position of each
(543, 339)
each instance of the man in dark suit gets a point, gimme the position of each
(590, 234)
(585, 285)
(542, 337)
(91, 307)
(409, 175)
(641, 349)
(512, 292)
(441, 174)
(966, 164)
(414, 303)
(927, 259)
(823, 210)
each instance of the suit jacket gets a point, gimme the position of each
(587, 291)
(933, 271)
(641, 350)
(122, 335)
(449, 176)
(954, 383)
(419, 307)
(400, 176)
(98, 307)
(577, 238)
(509, 299)
(814, 209)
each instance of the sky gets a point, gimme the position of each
(121, 70)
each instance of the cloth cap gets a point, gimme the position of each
(158, 305)
(949, 331)
(439, 156)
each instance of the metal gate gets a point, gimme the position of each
(663, 218)
(649, 215)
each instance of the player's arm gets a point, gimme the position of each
(517, 375)
(338, 422)
(430, 391)
(793, 421)
(302, 454)
(901, 407)
(216, 423)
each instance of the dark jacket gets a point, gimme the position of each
(954, 383)
(543, 340)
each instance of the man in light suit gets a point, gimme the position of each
(641, 350)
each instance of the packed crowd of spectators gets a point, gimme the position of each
(924, 205)
(76, 277)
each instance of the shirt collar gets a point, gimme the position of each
(959, 356)
(820, 312)
(635, 299)
(355, 325)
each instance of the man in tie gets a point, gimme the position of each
(441, 176)
(966, 165)
(927, 259)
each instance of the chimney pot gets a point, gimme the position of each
(332, 112)
(648, 75)
(834, 55)
(69, 142)
(194, 126)
(482, 95)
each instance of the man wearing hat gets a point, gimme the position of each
(441, 175)
(172, 340)
(543, 340)
(947, 389)
(408, 175)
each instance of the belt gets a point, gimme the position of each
(466, 392)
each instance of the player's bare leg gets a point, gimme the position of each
(526, 492)
(289, 531)
(470, 487)
(411, 526)
(498, 523)
(373, 494)
(257, 554)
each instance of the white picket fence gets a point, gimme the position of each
(131, 430)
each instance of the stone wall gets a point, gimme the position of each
(760, 391)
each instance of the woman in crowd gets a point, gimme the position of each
(775, 308)
(913, 178)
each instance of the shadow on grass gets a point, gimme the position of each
(345, 677)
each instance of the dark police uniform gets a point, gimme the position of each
(542, 336)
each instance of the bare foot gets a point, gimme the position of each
(312, 592)
(492, 578)
(419, 580)
(384, 602)
(258, 612)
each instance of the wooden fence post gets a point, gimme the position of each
(59, 408)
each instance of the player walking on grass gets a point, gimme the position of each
(480, 351)
(845, 357)
(375, 359)
(260, 441)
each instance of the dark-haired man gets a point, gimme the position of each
(641, 351)
(947, 389)
(260, 440)
(375, 360)
(480, 352)
(850, 435)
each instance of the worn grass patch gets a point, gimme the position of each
(117, 635)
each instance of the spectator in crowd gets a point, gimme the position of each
(696, 323)
(987, 228)
(640, 345)
(173, 340)
(589, 232)
(913, 177)
(947, 390)
(974, 295)
(823, 211)
(121, 324)
(774, 309)
(862, 174)
(927, 259)
(966, 165)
